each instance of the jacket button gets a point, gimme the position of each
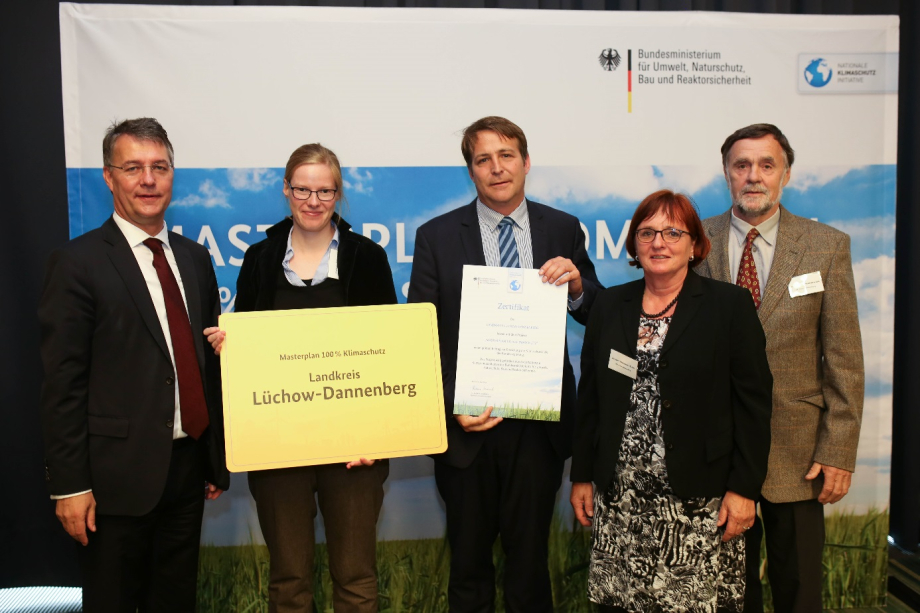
(663, 364)
(669, 446)
(666, 404)
(169, 423)
(169, 380)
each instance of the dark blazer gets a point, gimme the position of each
(442, 246)
(715, 387)
(363, 269)
(108, 397)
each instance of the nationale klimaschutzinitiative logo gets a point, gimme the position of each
(848, 73)
(818, 73)
(609, 59)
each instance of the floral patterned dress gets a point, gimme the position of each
(651, 550)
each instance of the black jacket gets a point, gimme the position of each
(108, 398)
(715, 383)
(363, 269)
(442, 246)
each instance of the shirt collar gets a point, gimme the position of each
(768, 229)
(493, 217)
(289, 251)
(135, 236)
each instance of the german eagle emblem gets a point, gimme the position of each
(609, 59)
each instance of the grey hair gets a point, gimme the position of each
(759, 130)
(142, 128)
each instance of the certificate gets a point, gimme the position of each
(318, 386)
(512, 343)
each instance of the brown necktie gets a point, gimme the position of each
(192, 404)
(747, 271)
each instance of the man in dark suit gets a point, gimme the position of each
(800, 274)
(130, 406)
(500, 477)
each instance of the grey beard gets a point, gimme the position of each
(757, 210)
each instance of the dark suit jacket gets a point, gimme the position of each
(715, 387)
(363, 269)
(108, 398)
(442, 246)
(814, 347)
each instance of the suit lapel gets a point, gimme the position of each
(629, 316)
(719, 232)
(786, 257)
(125, 264)
(471, 237)
(539, 243)
(688, 305)
(190, 283)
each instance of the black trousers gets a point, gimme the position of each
(149, 563)
(794, 533)
(510, 491)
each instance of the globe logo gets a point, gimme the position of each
(515, 285)
(818, 73)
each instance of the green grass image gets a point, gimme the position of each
(412, 575)
(514, 411)
(855, 561)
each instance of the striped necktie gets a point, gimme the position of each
(507, 246)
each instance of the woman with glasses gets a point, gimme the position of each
(312, 259)
(673, 425)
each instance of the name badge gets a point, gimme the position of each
(806, 284)
(623, 364)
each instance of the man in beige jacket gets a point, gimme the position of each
(801, 279)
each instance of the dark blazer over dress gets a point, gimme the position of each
(715, 386)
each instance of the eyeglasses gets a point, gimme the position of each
(302, 193)
(668, 235)
(135, 170)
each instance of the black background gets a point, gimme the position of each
(34, 550)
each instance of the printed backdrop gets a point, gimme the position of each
(615, 105)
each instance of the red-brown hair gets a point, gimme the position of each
(678, 208)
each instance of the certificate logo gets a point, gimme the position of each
(480, 281)
(515, 281)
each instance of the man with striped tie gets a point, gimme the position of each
(800, 275)
(499, 478)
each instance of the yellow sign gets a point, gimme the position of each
(319, 386)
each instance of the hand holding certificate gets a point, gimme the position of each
(317, 386)
(512, 342)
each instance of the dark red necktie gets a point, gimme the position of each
(747, 270)
(192, 404)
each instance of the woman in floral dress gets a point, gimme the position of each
(673, 425)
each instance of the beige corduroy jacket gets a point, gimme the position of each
(814, 349)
